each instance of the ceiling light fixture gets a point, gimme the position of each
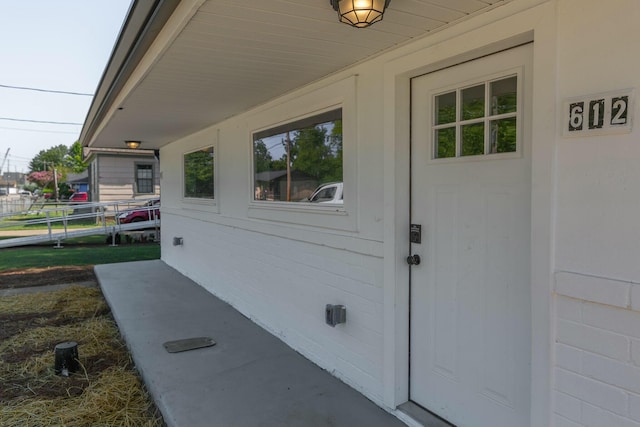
(132, 144)
(360, 13)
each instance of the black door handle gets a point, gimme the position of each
(413, 260)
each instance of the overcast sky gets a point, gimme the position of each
(57, 45)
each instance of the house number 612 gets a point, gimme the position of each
(598, 113)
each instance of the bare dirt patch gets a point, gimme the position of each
(26, 277)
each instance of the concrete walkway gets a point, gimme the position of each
(249, 378)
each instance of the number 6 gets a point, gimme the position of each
(576, 116)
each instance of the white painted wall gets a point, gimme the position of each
(597, 300)
(280, 267)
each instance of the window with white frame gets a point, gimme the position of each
(476, 120)
(198, 169)
(144, 178)
(290, 161)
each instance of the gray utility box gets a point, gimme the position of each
(335, 314)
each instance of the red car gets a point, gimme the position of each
(79, 197)
(150, 211)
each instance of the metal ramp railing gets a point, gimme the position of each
(60, 217)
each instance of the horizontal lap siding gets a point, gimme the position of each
(117, 178)
(284, 285)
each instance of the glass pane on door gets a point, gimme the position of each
(473, 139)
(445, 143)
(445, 108)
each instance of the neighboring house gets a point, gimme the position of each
(496, 142)
(19, 177)
(12, 181)
(11, 187)
(273, 185)
(122, 174)
(78, 181)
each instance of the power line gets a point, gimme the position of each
(39, 131)
(40, 121)
(46, 90)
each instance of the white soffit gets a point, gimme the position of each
(236, 54)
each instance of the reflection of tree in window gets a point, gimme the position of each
(198, 174)
(292, 160)
(261, 156)
(496, 117)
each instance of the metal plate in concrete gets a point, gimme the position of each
(188, 344)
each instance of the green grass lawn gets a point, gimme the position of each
(89, 250)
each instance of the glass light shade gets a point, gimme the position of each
(132, 144)
(361, 13)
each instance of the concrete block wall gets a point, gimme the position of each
(597, 351)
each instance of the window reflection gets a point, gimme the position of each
(198, 174)
(293, 160)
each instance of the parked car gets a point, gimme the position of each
(149, 211)
(79, 197)
(331, 192)
(3, 192)
(25, 194)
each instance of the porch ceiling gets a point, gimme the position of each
(235, 54)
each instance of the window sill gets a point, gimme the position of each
(334, 217)
(208, 205)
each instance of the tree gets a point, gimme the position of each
(59, 160)
(198, 174)
(261, 156)
(74, 160)
(47, 159)
(317, 153)
(42, 178)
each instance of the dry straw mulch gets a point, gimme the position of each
(106, 391)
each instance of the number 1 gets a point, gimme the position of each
(596, 119)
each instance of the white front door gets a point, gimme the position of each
(470, 192)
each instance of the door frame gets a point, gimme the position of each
(503, 28)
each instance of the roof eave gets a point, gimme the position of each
(144, 21)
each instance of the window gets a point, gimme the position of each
(144, 178)
(477, 120)
(198, 174)
(290, 161)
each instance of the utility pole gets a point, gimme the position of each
(288, 168)
(4, 160)
(55, 181)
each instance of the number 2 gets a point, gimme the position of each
(619, 110)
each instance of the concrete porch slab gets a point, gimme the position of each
(249, 378)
